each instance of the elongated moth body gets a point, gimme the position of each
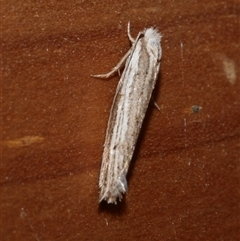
(128, 110)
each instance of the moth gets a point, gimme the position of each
(128, 110)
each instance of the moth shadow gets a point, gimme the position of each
(114, 209)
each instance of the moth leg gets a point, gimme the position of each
(132, 40)
(156, 105)
(116, 68)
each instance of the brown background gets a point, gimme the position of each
(184, 177)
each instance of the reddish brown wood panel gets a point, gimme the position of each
(184, 177)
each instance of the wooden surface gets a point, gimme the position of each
(184, 177)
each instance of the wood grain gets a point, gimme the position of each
(184, 178)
